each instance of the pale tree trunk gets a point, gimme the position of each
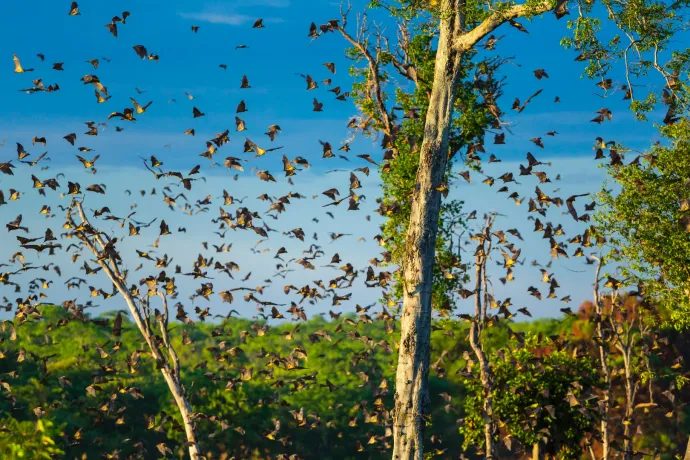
(411, 390)
(485, 376)
(537, 453)
(603, 357)
(411, 395)
(185, 412)
(687, 451)
(604, 410)
(625, 343)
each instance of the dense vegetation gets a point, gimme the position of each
(317, 390)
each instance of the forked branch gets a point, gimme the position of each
(360, 42)
(467, 40)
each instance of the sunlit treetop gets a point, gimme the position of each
(646, 216)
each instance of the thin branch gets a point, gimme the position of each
(166, 339)
(361, 45)
(603, 359)
(98, 238)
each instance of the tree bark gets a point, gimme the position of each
(603, 358)
(626, 345)
(411, 396)
(171, 374)
(485, 376)
(185, 412)
(687, 451)
(537, 453)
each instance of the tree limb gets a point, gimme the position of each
(467, 40)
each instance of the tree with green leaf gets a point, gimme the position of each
(646, 218)
(456, 87)
(29, 440)
(397, 118)
(541, 398)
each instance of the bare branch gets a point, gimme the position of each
(361, 44)
(603, 360)
(166, 339)
(476, 328)
(97, 237)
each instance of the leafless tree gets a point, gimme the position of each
(160, 346)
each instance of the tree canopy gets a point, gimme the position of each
(646, 213)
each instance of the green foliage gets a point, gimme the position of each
(344, 383)
(530, 398)
(28, 440)
(647, 222)
(640, 34)
(344, 386)
(399, 173)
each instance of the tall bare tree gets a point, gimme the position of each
(139, 307)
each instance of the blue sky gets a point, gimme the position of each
(275, 56)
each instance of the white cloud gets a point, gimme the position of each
(231, 15)
(217, 18)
